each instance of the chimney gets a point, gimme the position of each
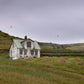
(25, 37)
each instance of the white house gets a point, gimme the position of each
(24, 49)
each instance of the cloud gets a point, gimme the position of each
(44, 19)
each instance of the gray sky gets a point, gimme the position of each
(58, 21)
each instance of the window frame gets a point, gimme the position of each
(36, 52)
(21, 51)
(28, 44)
(32, 52)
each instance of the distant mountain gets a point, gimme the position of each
(77, 46)
(6, 40)
(49, 45)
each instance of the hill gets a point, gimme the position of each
(49, 45)
(5, 40)
(76, 46)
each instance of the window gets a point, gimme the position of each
(28, 44)
(32, 52)
(21, 51)
(36, 52)
(25, 52)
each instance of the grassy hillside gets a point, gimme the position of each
(49, 45)
(5, 40)
(45, 70)
(73, 45)
(77, 46)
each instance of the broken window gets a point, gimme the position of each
(28, 44)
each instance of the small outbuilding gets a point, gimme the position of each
(24, 49)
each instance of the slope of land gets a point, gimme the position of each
(44, 70)
(77, 46)
(44, 45)
(6, 40)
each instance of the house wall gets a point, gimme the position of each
(29, 52)
(38, 54)
(18, 53)
(13, 51)
(24, 44)
(28, 48)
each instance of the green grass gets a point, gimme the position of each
(5, 40)
(77, 48)
(44, 70)
(62, 54)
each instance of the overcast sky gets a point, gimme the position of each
(58, 21)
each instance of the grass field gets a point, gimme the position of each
(6, 40)
(77, 48)
(44, 70)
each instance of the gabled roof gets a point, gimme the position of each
(18, 43)
(36, 45)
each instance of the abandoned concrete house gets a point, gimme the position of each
(24, 49)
